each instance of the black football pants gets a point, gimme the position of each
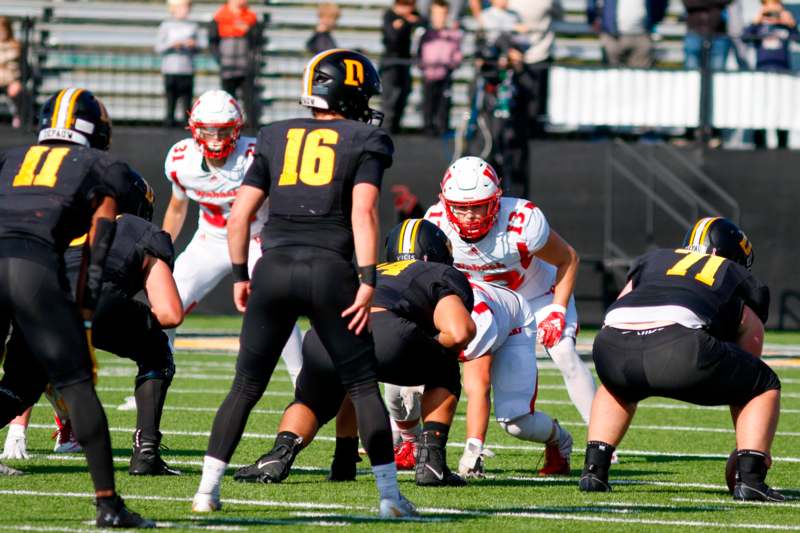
(406, 356)
(36, 298)
(289, 282)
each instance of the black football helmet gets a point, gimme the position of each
(722, 237)
(342, 81)
(140, 200)
(416, 238)
(77, 116)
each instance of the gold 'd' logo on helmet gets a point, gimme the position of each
(354, 72)
(745, 244)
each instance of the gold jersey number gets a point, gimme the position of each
(48, 173)
(706, 274)
(394, 268)
(309, 157)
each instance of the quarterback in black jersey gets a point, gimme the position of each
(322, 176)
(689, 326)
(140, 258)
(51, 193)
(420, 321)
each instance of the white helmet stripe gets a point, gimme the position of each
(64, 108)
(700, 230)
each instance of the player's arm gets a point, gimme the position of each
(560, 254)
(101, 235)
(750, 335)
(248, 200)
(364, 219)
(452, 319)
(175, 216)
(162, 293)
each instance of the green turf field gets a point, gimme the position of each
(670, 477)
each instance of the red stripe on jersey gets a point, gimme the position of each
(535, 394)
(525, 256)
(482, 307)
(435, 214)
(215, 217)
(174, 176)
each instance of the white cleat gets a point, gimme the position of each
(8, 471)
(206, 503)
(128, 405)
(66, 442)
(397, 508)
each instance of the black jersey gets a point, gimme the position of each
(308, 168)
(48, 194)
(134, 239)
(411, 289)
(714, 288)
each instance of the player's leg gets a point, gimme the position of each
(576, 374)
(199, 268)
(127, 328)
(52, 329)
(515, 385)
(292, 353)
(405, 406)
(268, 321)
(334, 285)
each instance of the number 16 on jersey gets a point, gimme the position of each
(309, 157)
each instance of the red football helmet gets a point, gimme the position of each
(216, 123)
(471, 182)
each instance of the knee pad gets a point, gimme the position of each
(536, 427)
(565, 356)
(404, 403)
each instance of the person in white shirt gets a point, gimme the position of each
(208, 168)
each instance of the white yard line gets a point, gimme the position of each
(535, 512)
(522, 447)
(782, 505)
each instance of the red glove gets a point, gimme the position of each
(550, 329)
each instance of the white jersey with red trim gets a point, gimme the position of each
(214, 189)
(505, 255)
(498, 313)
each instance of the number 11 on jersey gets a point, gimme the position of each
(315, 154)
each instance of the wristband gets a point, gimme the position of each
(239, 272)
(368, 275)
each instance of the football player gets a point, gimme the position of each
(50, 193)
(322, 175)
(507, 241)
(689, 326)
(140, 258)
(420, 322)
(209, 168)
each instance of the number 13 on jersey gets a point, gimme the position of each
(309, 157)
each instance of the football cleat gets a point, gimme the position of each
(557, 454)
(590, 482)
(65, 438)
(471, 463)
(8, 471)
(431, 469)
(206, 503)
(760, 492)
(273, 466)
(397, 508)
(404, 455)
(16, 446)
(146, 458)
(111, 512)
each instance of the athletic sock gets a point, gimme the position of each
(347, 448)
(598, 458)
(386, 480)
(436, 431)
(213, 470)
(752, 467)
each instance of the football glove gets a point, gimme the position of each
(549, 331)
(16, 446)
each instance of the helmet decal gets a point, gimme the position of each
(418, 239)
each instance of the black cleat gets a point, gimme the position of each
(111, 512)
(592, 483)
(431, 469)
(345, 458)
(760, 492)
(146, 458)
(273, 466)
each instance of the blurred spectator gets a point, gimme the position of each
(177, 42)
(10, 81)
(399, 22)
(498, 19)
(328, 14)
(705, 19)
(771, 32)
(625, 28)
(439, 54)
(235, 38)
